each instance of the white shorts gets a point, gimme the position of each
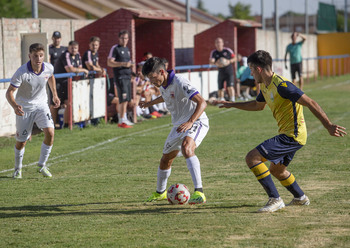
(197, 132)
(24, 124)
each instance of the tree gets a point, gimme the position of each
(200, 6)
(14, 9)
(240, 11)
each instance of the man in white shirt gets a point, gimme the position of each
(31, 105)
(190, 126)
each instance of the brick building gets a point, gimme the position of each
(150, 30)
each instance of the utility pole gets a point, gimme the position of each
(277, 29)
(35, 8)
(263, 25)
(188, 11)
(306, 17)
(346, 16)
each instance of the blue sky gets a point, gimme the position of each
(220, 6)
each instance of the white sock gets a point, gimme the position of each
(232, 99)
(194, 167)
(44, 154)
(162, 179)
(18, 158)
(222, 99)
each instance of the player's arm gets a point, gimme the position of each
(248, 106)
(144, 104)
(201, 105)
(333, 129)
(11, 99)
(52, 85)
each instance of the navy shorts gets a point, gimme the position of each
(279, 149)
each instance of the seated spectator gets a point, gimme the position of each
(69, 61)
(246, 80)
(144, 90)
(90, 58)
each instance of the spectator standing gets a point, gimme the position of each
(296, 65)
(55, 49)
(119, 60)
(69, 61)
(223, 58)
(31, 106)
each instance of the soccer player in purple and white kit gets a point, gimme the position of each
(31, 105)
(190, 126)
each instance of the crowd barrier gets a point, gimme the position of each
(87, 97)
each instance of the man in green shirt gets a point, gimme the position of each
(294, 50)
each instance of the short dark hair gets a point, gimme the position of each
(73, 43)
(95, 38)
(152, 65)
(36, 47)
(123, 32)
(261, 58)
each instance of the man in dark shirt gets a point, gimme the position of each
(91, 58)
(119, 59)
(55, 49)
(223, 58)
(69, 61)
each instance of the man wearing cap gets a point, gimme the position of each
(55, 49)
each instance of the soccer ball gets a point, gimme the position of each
(222, 62)
(178, 194)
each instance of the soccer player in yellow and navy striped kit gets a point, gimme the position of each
(286, 102)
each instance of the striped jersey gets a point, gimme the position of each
(281, 96)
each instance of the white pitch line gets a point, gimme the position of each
(94, 146)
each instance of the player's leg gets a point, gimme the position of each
(44, 121)
(163, 173)
(193, 139)
(24, 126)
(255, 162)
(287, 179)
(19, 152)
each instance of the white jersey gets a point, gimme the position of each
(177, 95)
(31, 93)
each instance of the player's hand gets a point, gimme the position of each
(143, 104)
(184, 127)
(19, 110)
(223, 104)
(56, 101)
(338, 131)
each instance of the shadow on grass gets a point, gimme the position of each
(59, 210)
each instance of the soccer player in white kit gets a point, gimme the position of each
(31, 105)
(190, 126)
